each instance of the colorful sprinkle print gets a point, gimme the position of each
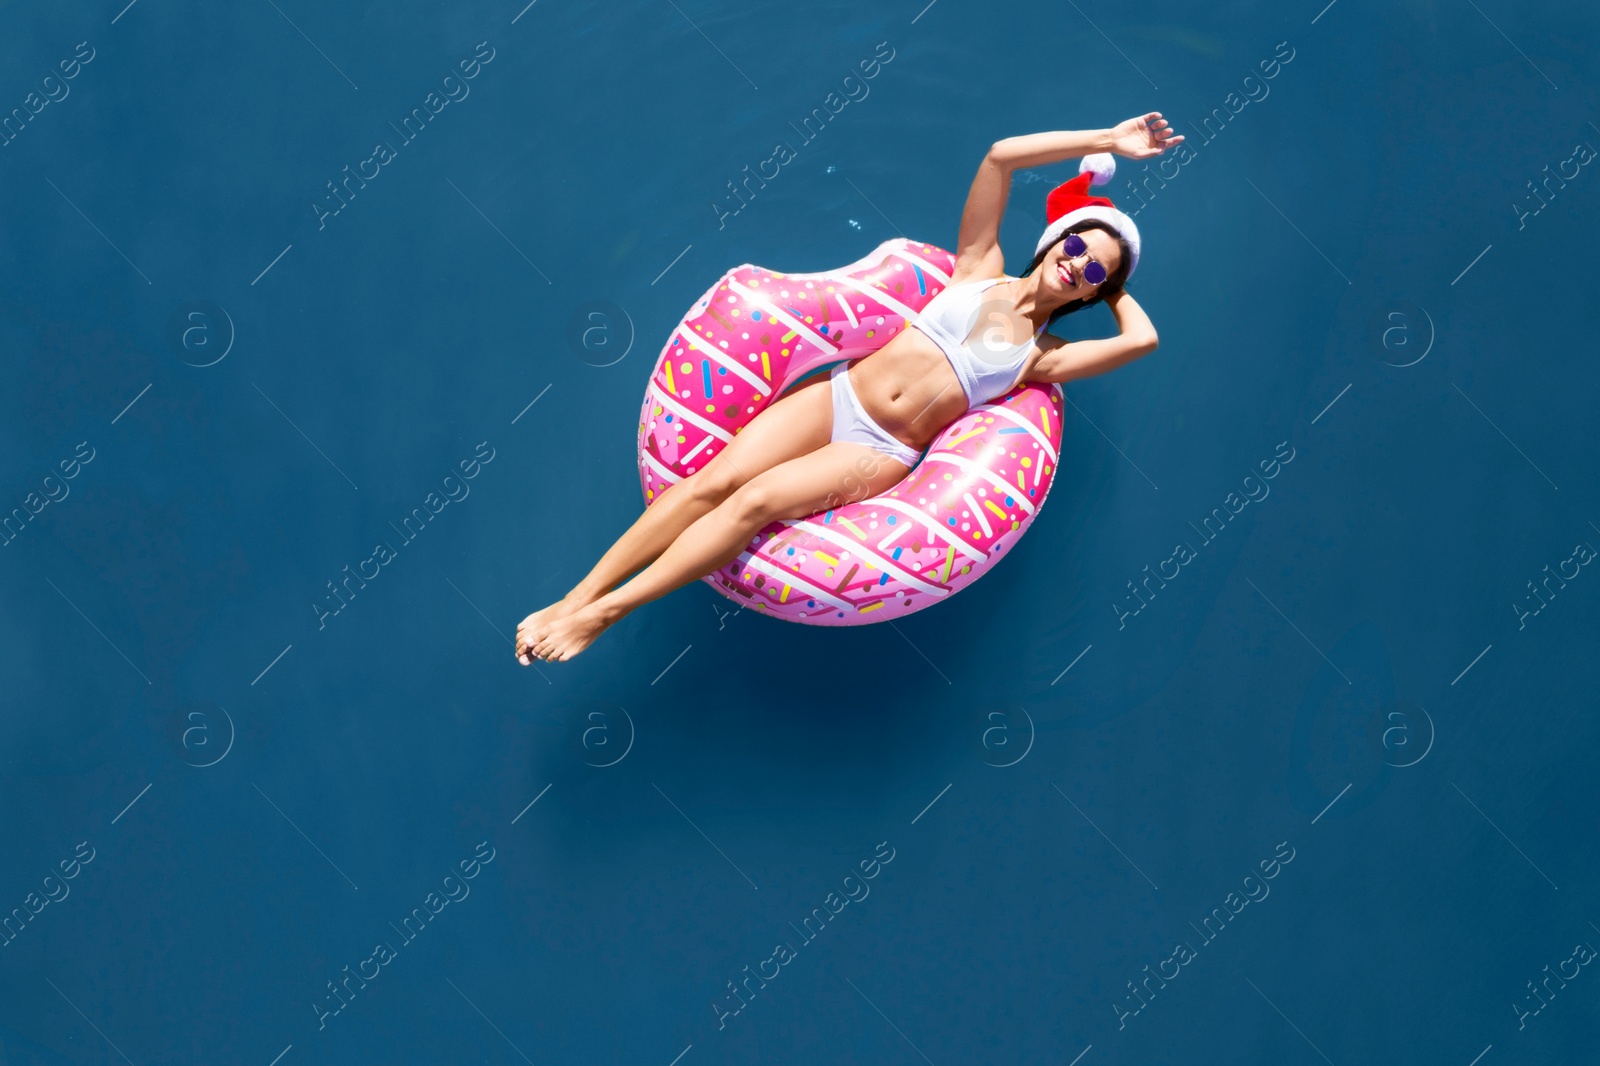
(969, 499)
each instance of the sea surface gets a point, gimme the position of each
(1273, 741)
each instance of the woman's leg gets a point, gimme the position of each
(838, 472)
(797, 423)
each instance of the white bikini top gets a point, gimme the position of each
(987, 368)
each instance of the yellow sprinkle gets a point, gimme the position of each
(1044, 416)
(785, 597)
(851, 526)
(825, 557)
(990, 504)
(671, 386)
(788, 336)
(964, 436)
(871, 607)
(766, 367)
(949, 558)
(1020, 485)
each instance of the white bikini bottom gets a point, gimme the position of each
(852, 423)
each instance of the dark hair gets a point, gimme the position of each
(1113, 282)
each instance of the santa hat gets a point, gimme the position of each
(1070, 203)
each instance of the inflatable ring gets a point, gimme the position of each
(974, 493)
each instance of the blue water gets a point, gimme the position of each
(1346, 729)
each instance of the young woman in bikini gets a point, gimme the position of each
(859, 431)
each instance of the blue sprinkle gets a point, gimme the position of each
(1010, 501)
(891, 522)
(755, 316)
(669, 418)
(841, 615)
(722, 370)
(1030, 492)
(791, 551)
(811, 603)
(897, 552)
(884, 580)
(922, 282)
(952, 521)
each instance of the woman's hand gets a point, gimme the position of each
(1143, 137)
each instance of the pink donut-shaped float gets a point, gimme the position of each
(980, 484)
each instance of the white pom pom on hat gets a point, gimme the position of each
(1103, 165)
(1071, 203)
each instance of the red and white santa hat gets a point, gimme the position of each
(1070, 203)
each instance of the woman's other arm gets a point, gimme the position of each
(1081, 359)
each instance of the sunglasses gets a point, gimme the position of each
(1074, 247)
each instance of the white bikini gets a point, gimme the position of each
(985, 371)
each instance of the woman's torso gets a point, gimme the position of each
(910, 387)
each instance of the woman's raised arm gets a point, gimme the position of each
(978, 245)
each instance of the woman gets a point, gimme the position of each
(860, 431)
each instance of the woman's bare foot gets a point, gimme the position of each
(571, 634)
(529, 629)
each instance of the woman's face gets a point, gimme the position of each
(1064, 275)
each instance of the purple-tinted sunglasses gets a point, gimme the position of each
(1094, 273)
